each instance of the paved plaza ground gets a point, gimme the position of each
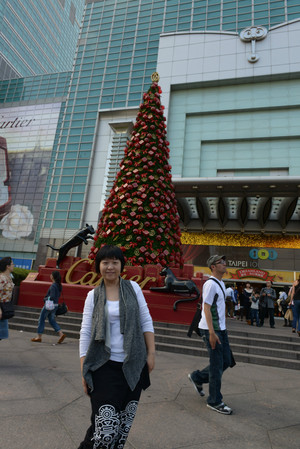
(43, 406)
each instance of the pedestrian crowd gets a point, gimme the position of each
(255, 305)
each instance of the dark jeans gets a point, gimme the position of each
(263, 313)
(296, 314)
(245, 312)
(219, 361)
(50, 314)
(254, 316)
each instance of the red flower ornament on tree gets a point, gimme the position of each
(140, 215)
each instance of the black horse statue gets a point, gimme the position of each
(181, 287)
(77, 239)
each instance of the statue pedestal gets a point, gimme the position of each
(79, 278)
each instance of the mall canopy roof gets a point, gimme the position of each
(253, 205)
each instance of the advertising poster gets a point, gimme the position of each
(26, 141)
(257, 265)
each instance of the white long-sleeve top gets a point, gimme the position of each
(116, 338)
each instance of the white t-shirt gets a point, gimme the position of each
(210, 288)
(229, 293)
(116, 338)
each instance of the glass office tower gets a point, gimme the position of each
(38, 37)
(116, 54)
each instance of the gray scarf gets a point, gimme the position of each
(130, 326)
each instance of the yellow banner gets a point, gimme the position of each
(261, 241)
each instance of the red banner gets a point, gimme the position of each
(252, 272)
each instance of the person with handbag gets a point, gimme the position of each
(117, 351)
(6, 289)
(283, 303)
(48, 311)
(295, 295)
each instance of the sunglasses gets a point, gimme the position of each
(222, 262)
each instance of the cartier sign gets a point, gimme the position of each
(91, 278)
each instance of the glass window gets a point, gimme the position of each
(68, 171)
(77, 197)
(73, 224)
(82, 179)
(87, 138)
(119, 104)
(65, 189)
(169, 29)
(261, 15)
(294, 10)
(62, 206)
(79, 188)
(74, 215)
(64, 197)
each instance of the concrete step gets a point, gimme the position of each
(26, 320)
(289, 343)
(263, 346)
(239, 347)
(33, 321)
(247, 332)
(32, 329)
(239, 357)
(35, 312)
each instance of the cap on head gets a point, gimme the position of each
(213, 259)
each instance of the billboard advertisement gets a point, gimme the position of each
(26, 140)
(247, 263)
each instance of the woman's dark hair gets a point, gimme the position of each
(57, 278)
(109, 252)
(4, 263)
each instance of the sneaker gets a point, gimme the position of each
(221, 408)
(198, 387)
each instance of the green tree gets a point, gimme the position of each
(140, 215)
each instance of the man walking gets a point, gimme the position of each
(213, 329)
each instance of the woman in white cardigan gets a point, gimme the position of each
(117, 352)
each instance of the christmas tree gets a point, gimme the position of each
(140, 215)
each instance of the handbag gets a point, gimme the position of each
(194, 324)
(289, 315)
(61, 309)
(49, 304)
(8, 310)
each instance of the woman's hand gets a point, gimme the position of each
(150, 345)
(151, 361)
(85, 385)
